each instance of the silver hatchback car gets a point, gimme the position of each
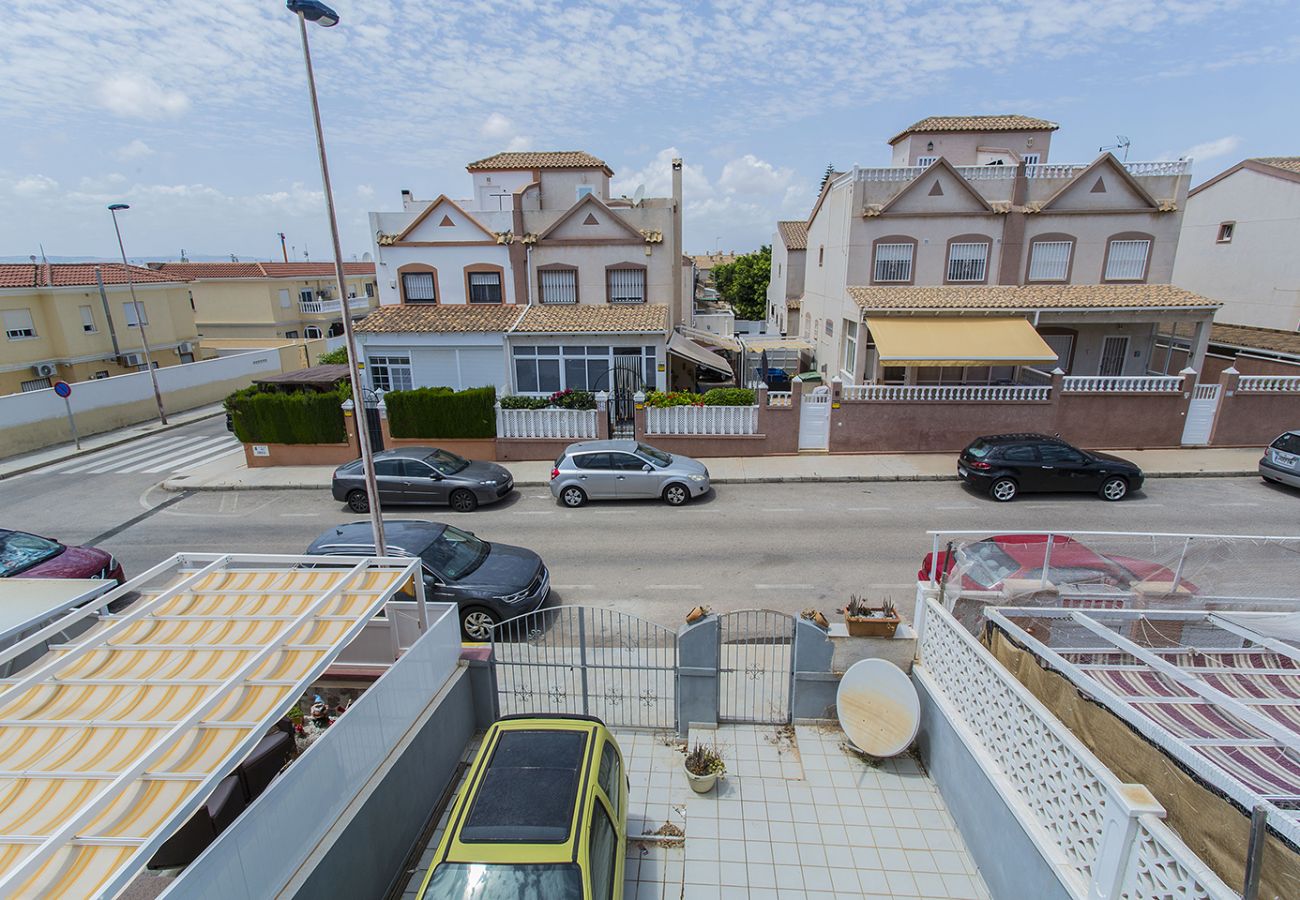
(625, 470)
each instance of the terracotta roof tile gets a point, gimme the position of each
(1028, 297)
(795, 234)
(1249, 336)
(544, 159)
(1287, 163)
(579, 318)
(26, 275)
(263, 269)
(452, 318)
(937, 124)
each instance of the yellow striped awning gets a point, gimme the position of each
(966, 341)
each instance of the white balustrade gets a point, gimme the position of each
(1053, 170)
(1270, 384)
(702, 420)
(562, 424)
(1040, 170)
(780, 398)
(986, 173)
(1129, 384)
(1206, 392)
(890, 173)
(942, 392)
(1160, 167)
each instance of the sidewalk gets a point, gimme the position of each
(1192, 463)
(26, 462)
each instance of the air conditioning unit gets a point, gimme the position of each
(132, 359)
(185, 347)
(45, 369)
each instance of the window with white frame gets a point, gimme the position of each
(1127, 260)
(484, 287)
(136, 314)
(926, 160)
(584, 190)
(391, 373)
(291, 334)
(88, 320)
(626, 285)
(1049, 260)
(19, 325)
(417, 287)
(968, 262)
(311, 332)
(894, 262)
(306, 295)
(370, 289)
(286, 301)
(537, 369)
(849, 360)
(1031, 159)
(559, 286)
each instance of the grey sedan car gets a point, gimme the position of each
(625, 470)
(426, 476)
(489, 582)
(1281, 461)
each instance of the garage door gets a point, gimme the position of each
(460, 367)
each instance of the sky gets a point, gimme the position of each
(197, 115)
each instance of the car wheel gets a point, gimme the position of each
(1114, 488)
(1004, 490)
(676, 494)
(463, 501)
(476, 623)
(573, 497)
(357, 502)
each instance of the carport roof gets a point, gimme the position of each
(1028, 297)
(452, 318)
(588, 318)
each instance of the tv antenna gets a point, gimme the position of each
(1123, 144)
(638, 195)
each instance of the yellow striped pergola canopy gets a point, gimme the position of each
(956, 341)
(109, 744)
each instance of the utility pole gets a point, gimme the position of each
(283, 250)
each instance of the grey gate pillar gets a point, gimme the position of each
(697, 674)
(812, 694)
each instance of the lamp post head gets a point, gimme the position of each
(119, 206)
(314, 11)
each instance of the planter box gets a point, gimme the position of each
(864, 626)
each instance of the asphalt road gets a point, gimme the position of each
(779, 546)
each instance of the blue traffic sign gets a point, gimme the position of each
(63, 389)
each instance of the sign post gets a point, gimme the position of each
(64, 390)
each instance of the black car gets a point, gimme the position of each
(1006, 464)
(425, 476)
(489, 582)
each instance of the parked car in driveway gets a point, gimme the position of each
(489, 582)
(1281, 461)
(32, 556)
(625, 470)
(426, 476)
(1006, 465)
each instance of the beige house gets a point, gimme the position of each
(60, 324)
(789, 249)
(975, 220)
(238, 302)
(1239, 242)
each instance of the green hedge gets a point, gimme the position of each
(440, 412)
(568, 399)
(715, 397)
(724, 396)
(273, 417)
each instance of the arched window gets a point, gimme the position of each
(893, 259)
(418, 283)
(1051, 258)
(484, 283)
(1128, 257)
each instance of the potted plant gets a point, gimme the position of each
(704, 767)
(865, 620)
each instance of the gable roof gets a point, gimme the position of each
(29, 275)
(459, 318)
(1108, 160)
(941, 124)
(1250, 337)
(940, 163)
(205, 270)
(1028, 297)
(580, 318)
(589, 200)
(822, 194)
(794, 234)
(1284, 167)
(539, 159)
(441, 199)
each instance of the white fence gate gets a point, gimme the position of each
(815, 419)
(1200, 414)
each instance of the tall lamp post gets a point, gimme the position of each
(139, 313)
(315, 11)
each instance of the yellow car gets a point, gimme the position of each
(542, 816)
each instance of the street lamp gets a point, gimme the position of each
(314, 11)
(139, 313)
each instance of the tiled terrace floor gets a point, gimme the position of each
(798, 817)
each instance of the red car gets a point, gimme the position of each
(989, 562)
(31, 556)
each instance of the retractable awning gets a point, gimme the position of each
(937, 341)
(700, 336)
(688, 349)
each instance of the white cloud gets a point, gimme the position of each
(137, 149)
(1213, 149)
(520, 142)
(365, 191)
(751, 175)
(141, 97)
(35, 186)
(496, 127)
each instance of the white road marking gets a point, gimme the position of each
(532, 512)
(675, 587)
(781, 509)
(205, 455)
(311, 515)
(868, 508)
(203, 462)
(962, 506)
(1237, 504)
(785, 587)
(573, 587)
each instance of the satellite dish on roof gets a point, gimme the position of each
(878, 707)
(638, 195)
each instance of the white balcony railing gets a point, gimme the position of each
(702, 420)
(972, 392)
(561, 424)
(1126, 384)
(1041, 170)
(1270, 384)
(331, 306)
(780, 398)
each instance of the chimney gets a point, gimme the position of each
(406, 197)
(679, 313)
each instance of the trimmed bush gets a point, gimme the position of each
(337, 357)
(569, 399)
(514, 402)
(274, 417)
(729, 396)
(660, 399)
(440, 412)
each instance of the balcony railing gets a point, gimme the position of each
(1042, 170)
(1129, 384)
(331, 306)
(1268, 384)
(949, 392)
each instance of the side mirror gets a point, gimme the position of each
(436, 476)
(647, 468)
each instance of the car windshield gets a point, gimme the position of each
(455, 553)
(1287, 443)
(20, 551)
(490, 881)
(979, 450)
(658, 457)
(445, 462)
(986, 562)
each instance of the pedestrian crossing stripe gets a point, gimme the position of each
(152, 456)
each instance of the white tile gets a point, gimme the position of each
(727, 829)
(833, 835)
(700, 871)
(701, 892)
(921, 861)
(812, 854)
(845, 881)
(929, 884)
(900, 882)
(705, 828)
(731, 851)
(893, 859)
(873, 881)
(803, 812)
(816, 878)
(756, 830)
(789, 878)
(865, 857)
(960, 887)
(732, 874)
(761, 875)
(758, 852)
(763, 893)
(785, 854)
(783, 831)
(912, 839)
(948, 862)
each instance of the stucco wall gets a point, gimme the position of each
(960, 149)
(1254, 420)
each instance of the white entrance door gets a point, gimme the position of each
(815, 419)
(1114, 350)
(1200, 414)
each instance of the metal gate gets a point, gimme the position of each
(587, 661)
(374, 429)
(625, 381)
(815, 419)
(1200, 414)
(755, 666)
